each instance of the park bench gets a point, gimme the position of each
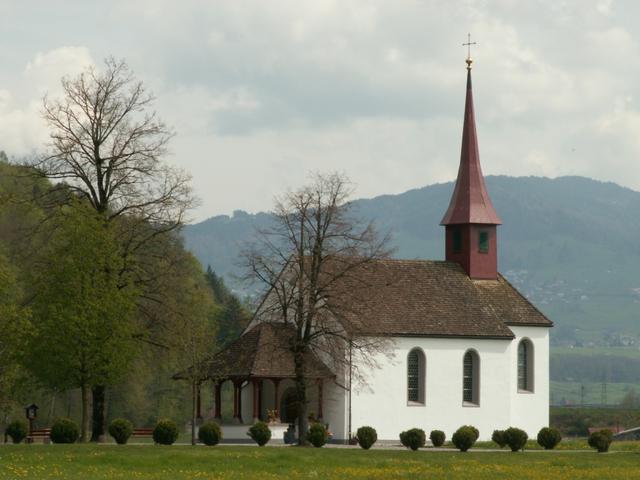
(43, 434)
(142, 432)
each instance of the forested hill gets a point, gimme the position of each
(570, 244)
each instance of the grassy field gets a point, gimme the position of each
(98, 462)
(571, 391)
(593, 351)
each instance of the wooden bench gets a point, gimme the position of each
(43, 434)
(142, 432)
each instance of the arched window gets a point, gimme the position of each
(415, 377)
(471, 378)
(525, 366)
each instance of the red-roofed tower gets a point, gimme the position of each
(470, 221)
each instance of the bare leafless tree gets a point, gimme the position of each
(107, 146)
(312, 263)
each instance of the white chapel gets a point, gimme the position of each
(465, 347)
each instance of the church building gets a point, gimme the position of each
(466, 348)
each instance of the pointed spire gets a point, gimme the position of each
(470, 202)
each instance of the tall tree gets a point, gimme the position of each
(193, 332)
(311, 262)
(13, 325)
(82, 329)
(107, 146)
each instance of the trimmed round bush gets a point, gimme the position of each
(165, 433)
(601, 440)
(437, 437)
(210, 434)
(120, 429)
(317, 434)
(414, 438)
(549, 438)
(64, 430)
(17, 430)
(366, 436)
(516, 438)
(464, 437)
(260, 433)
(498, 437)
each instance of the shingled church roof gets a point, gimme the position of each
(433, 298)
(389, 298)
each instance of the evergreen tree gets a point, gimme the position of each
(233, 316)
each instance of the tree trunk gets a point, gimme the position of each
(52, 408)
(84, 427)
(194, 409)
(301, 396)
(97, 430)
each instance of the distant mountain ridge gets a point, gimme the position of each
(570, 244)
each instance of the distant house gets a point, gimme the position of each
(630, 434)
(614, 430)
(467, 347)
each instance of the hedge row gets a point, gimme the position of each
(165, 432)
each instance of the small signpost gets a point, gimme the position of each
(31, 413)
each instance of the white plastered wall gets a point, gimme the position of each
(382, 402)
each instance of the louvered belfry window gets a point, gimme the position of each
(457, 241)
(483, 242)
(413, 376)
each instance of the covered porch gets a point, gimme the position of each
(260, 368)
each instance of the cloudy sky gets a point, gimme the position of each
(261, 93)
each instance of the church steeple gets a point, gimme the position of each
(470, 221)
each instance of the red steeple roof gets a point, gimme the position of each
(470, 202)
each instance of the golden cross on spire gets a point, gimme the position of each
(469, 60)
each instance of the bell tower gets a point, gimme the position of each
(470, 221)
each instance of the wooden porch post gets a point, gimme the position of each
(237, 402)
(320, 385)
(240, 401)
(256, 402)
(260, 400)
(276, 399)
(218, 399)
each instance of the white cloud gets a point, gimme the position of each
(22, 130)
(46, 69)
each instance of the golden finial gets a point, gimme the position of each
(469, 60)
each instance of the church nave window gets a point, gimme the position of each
(525, 366)
(415, 377)
(470, 378)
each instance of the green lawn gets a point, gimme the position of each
(97, 462)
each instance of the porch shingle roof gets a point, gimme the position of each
(263, 352)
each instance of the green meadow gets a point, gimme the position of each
(178, 462)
